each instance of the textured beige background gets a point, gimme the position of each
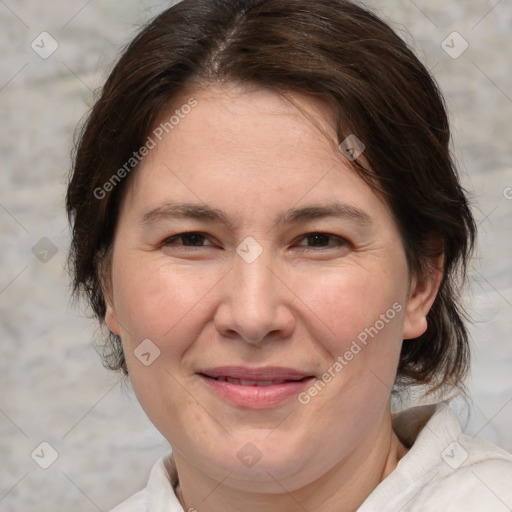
(52, 385)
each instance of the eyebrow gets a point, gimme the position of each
(169, 210)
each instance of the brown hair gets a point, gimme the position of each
(335, 50)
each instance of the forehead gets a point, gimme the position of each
(244, 146)
(241, 119)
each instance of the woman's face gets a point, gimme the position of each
(261, 292)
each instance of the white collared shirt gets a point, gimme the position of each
(444, 471)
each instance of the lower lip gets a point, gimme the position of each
(256, 397)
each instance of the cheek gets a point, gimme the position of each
(335, 306)
(360, 322)
(359, 325)
(352, 303)
(161, 302)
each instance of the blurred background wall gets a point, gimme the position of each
(53, 388)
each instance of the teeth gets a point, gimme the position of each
(265, 383)
(269, 382)
(243, 382)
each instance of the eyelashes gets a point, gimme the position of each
(192, 237)
(320, 241)
(323, 237)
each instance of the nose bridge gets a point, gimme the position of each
(255, 279)
(254, 304)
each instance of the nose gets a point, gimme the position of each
(255, 305)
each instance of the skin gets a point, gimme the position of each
(301, 303)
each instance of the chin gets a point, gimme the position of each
(257, 465)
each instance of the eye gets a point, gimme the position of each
(191, 239)
(311, 241)
(321, 241)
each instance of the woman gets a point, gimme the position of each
(267, 219)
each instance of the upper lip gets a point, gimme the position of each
(265, 373)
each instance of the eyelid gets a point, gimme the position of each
(340, 241)
(206, 237)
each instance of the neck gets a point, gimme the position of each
(343, 488)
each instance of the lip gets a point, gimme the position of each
(288, 382)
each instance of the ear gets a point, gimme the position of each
(423, 292)
(104, 269)
(111, 318)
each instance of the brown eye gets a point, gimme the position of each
(321, 240)
(187, 239)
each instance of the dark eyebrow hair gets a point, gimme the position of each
(292, 216)
(339, 210)
(185, 211)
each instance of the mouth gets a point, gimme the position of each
(255, 388)
(244, 382)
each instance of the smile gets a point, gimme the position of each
(254, 388)
(242, 382)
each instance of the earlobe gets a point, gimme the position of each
(422, 295)
(111, 320)
(103, 264)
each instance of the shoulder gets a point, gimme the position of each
(158, 495)
(464, 474)
(474, 487)
(444, 470)
(136, 503)
(476, 475)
